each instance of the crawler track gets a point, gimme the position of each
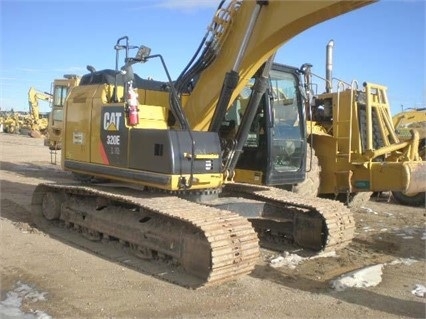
(209, 245)
(206, 245)
(310, 222)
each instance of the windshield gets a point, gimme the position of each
(275, 140)
(287, 140)
(59, 95)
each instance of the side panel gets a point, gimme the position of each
(163, 151)
(151, 97)
(78, 129)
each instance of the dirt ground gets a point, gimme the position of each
(81, 284)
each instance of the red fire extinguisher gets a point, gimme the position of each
(132, 106)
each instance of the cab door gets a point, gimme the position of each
(275, 151)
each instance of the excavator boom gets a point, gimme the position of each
(33, 97)
(252, 32)
(36, 125)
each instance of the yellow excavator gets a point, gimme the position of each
(34, 122)
(185, 209)
(61, 88)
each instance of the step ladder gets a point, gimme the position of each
(343, 126)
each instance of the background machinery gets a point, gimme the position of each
(163, 138)
(34, 122)
(355, 140)
(61, 88)
(11, 121)
(353, 147)
(19, 122)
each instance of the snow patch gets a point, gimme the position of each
(410, 232)
(289, 260)
(365, 277)
(419, 291)
(368, 210)
(292, 260)
(405, 261)
(10, 307)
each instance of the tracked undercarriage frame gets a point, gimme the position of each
(211, 245)
(311, 223)
(209, 242)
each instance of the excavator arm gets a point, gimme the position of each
(245, 35)
(33, 97)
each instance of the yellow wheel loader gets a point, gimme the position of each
(174, 195)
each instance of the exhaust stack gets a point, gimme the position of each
(329, 67)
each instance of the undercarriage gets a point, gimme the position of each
(210, 242)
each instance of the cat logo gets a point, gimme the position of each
(112, 121)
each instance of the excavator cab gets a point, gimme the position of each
(275, 150)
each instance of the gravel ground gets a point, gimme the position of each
(77, 283)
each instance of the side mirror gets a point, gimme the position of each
(141, 56)
(143, 53)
